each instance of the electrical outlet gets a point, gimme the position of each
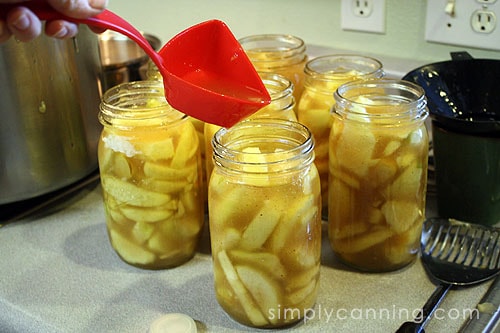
(466, 23)
(363, 15)
(483, 21)
(362, 8)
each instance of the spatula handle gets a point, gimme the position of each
(425, 314)
(486, 322)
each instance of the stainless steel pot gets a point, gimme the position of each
(123, 60)
(49, 98)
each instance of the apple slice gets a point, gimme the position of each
(130, 252)
(266, 261)
(157, 149)
(164, 172)
(264, 290)
(400, 215)
(298, 214)
(125, 192)
(407, 185)
(354, 149)
(363, 241)
(148, 215)
(121, 167)
(186, 147)
(245, 299)
(261, 227)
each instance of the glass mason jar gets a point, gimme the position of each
(150, 166)
(282, 106)
(280, 54)
(323, 75)
(153, 74)
(378, 173)
(265, 223)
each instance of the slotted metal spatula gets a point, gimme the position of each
(455, 253)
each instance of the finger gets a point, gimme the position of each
(61, 29)
(23, 24)
(97, 30)
(4, 32)
(79, 8)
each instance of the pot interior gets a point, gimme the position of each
(117, 50)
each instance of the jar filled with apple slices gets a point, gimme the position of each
(265, 221)
(150, 167)
(377, 173)
(323, 75)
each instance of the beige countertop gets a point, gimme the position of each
(59, 274)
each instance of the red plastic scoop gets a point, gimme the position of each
(206, 73)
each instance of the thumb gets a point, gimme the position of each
(79, 8)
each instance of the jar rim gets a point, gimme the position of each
(276, 47)
(137, 101)
(300, 152)
(277, 85)
(332, 66)
(357, 96)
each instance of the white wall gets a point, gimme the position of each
(315, 21)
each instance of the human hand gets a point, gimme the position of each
(24, 25)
